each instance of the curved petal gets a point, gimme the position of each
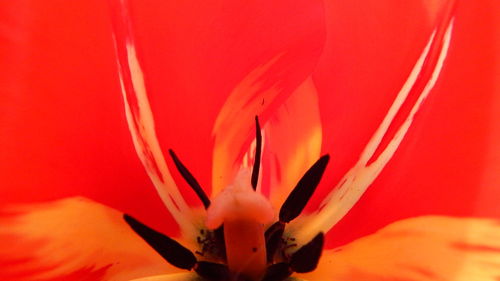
(350, 189)
(293, 141)
(140, 118)
(370, 50)
(253, 96)
(62, 117)
(202, 52)
(419, 249)
(371, 47)
(292, 133)
(73, 237)
(447, 164)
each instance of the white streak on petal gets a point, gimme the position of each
(141, 122)
(361, 176)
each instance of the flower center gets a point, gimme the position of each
(236, 233)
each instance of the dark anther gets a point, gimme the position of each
(173, 252)
(305, 188)
(273, 237)
(220, 242)
(277, 272)
(190, 179)
(307, 257)
(212, 244)
(212, 271)
(258, 152)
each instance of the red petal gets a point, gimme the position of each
(63, 129)
(195, 53)
(62, 116)
(447, 163)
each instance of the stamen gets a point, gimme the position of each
(235, 229)
(173, 252)
(273, 237)
(303, 191)
(212, 244)
(307, 257)
(258, 152)
(190, 179)
(219, 242)
(212, 271)
(277, 272)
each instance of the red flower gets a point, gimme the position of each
(322, 77)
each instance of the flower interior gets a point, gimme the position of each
(242, 240)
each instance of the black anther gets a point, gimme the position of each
(277, 272)
(190, 179)
(173, 252)
(212, 271)
(258, 152)
(220, 242)
(303, 191)
(273, 238)
(307, 257)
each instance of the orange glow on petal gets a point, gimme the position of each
(418, 249)
(234, 129)
(293, 140)
(61, 238)
(171, 277)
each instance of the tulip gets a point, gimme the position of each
(374, 155)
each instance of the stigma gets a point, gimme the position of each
(244, 214)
